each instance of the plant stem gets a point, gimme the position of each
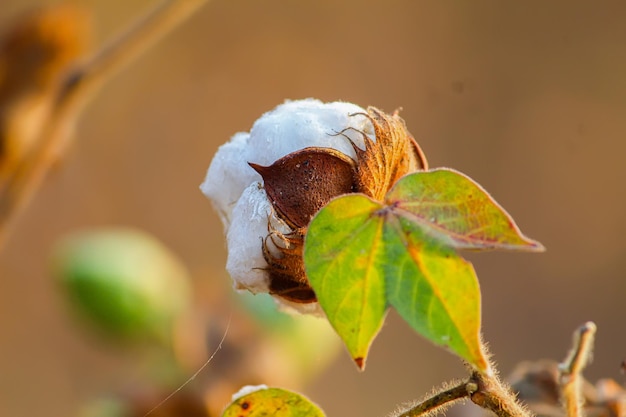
(76, 90)
(441, 399)
(571, 369)
(492, 394)
(484, 388)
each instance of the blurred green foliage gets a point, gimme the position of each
(123, 281)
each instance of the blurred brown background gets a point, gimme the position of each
(528, 98)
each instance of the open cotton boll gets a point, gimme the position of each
(291, 126)
(238, 194)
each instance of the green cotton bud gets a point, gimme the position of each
(124, 282)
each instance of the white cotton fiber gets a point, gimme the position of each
(244, 238)
(228, 175)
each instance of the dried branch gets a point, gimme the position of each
(571, 369)
(74, 93)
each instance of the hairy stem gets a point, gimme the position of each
(492, 394)
(484, 388)
(76, 90)
(571, 369)
(440, 400)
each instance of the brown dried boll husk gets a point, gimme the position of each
(287, 277)
(301, 183)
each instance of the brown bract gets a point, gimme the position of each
(301, 183)
(383, 162)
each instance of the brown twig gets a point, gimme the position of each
(76, 90)
(571, 369)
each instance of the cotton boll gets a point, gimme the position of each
(237, 193)
(291, 126)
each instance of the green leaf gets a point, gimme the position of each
(454, 209)
(362, 256)
(274, 402)
(434, 290)
(345, 263)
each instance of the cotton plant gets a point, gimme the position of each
(331, 208)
